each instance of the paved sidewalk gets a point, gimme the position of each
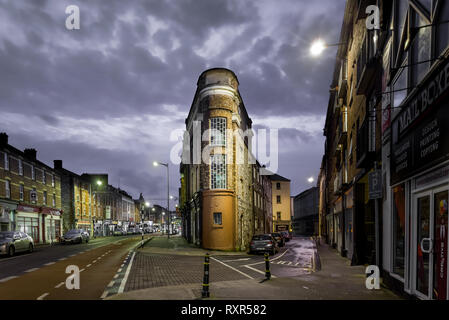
(336, 280)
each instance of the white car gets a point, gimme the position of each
(15, 241)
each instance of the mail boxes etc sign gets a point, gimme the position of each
(420, 136)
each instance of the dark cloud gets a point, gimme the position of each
(132, 60)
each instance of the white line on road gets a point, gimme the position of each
(31, 270)
(116, 276)
(49, 264)
(111, 283)
(82, 270)
(59, 285)
(243, 259)
(259, 271)
(105, 293)
(122, 285)
(88, 265)
(42, 296)
(119, 270)
(62, 259)
(8, 278)
(230, 267)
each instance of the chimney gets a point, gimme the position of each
(57, 164)
(3, 139)
(30, 153)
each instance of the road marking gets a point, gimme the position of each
(111, 283)
(243, 259)
(104, 295)
(116, 276)
(119, 270)
(42, 296)
(8, 278)
(259, 271)
(16, 257)
(88, 265)
(49, 264)
(31, 270)
(59, 285)
(99, 258)
(82, 270)
(62, 259)
(122, 285)
(94, 261)
(230, 267)
(72, 255)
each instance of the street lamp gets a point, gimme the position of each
(318, 46)
(310, 180)
(93, 193)
(157, 163)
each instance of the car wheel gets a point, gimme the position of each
(30, 248)
(11, 251)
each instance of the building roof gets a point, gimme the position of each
(276, 177)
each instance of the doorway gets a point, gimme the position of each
(431, 244)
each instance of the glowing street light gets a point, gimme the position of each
(317, 48)
(147, 204)
(310, 180)
(99, 182)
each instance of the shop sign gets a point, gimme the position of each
(375, 184)
(419, 133)
(27, 209)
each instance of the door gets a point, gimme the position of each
(431, 244)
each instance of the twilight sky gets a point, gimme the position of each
(106, 98)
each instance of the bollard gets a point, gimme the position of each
(267, 267)
(205, 292)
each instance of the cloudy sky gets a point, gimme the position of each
(106, 98)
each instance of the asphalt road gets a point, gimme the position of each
(42, 274)
(294, 259)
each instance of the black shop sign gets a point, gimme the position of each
(420, 136)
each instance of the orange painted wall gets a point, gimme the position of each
(214, 236)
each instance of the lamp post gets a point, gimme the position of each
(318, 46)
(92, 193)
(157, 163)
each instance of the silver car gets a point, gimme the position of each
(15, 241)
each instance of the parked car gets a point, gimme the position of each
(75, 236)
(263, 243)
(15, 241)
(117, 232)
(287, 235)
(279, 239)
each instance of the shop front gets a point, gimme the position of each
(52, 223)
(338, 225)
(7, 210)
(420, 190)
(28, 220)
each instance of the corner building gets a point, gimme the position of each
(217, 207)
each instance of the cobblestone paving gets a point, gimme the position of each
(152, 270)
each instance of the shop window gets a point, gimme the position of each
(399, 230)
(218, 218)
